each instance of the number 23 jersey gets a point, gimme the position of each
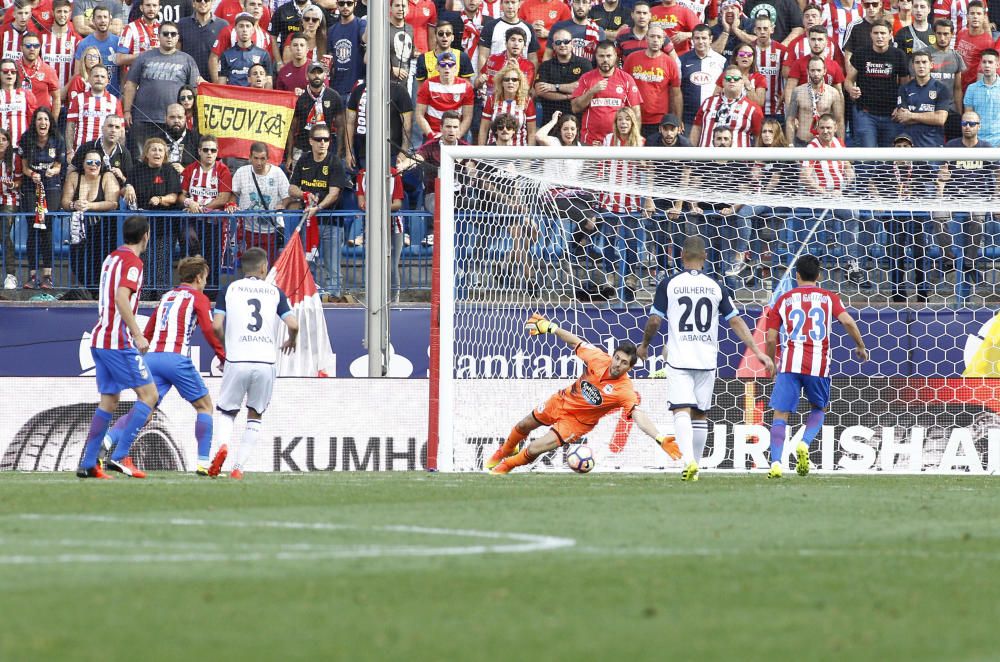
(692, 302)
(253, 310)
(804, 315)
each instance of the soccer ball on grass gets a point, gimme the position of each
(580, 459)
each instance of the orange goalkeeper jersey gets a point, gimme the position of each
(596, 392)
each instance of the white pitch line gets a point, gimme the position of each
(783, 553)
(519, 543)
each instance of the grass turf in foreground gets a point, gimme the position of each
(330, 566)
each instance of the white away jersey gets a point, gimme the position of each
(253, 310)
(691, 302)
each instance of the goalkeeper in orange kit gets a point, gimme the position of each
(573, 411)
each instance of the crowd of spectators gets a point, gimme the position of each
(97, 102)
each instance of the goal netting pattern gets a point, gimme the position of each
(908, 238)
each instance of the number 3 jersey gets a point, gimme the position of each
(803, 316)
(253, 310)
(692, 302)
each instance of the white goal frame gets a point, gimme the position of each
(441, 442)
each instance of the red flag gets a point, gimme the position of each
(312, 227)
(313, 355)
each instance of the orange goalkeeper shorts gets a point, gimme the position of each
(567, 427)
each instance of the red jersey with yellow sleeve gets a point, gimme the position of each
(596, 392)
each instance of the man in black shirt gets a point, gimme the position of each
(873, 81)
(611, 16)
(319, 104)
(199, 32)
(400, 123)
(316, 184)
(559, 75)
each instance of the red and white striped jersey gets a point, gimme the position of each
(830, 175)
(440, 98)
(122, 268)
(620, 173)
(169, 329)
(495, 109)
(88, 111)
(799, 48)
(742, 115)
(837, 18)
(57, 51)
(587, 47)
(804, 315)
(227, 39)
(705, 10)
(202, 185)
(10, 44)
(770, 60)
(10, 182)
(16, 108)
(957, 11)
(138, 37)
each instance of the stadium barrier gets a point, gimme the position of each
(947, 426)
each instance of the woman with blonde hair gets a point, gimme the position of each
(623, 208)
(80, 83)
(158, 189)
(511, 96)
(314, 30)
(757, 225)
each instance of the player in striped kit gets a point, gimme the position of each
(732, 108)
(249, 310)
(692, 303)
(805, 316)
(117, 345)
(59, 45)
(88, 110)
(169, 332)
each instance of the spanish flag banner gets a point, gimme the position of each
(239, 116)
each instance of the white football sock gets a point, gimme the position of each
(222, 432)
(250, 436)
(684, 434)
(700, 437)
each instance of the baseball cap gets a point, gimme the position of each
(447, 56)
(670, 120)
(902, 136)
(244, 16)
(731, 3)
(315, 65)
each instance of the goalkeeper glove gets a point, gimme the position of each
(659, 374)
(669, 446)
(537, 324)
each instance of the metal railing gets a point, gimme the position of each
(68, 253)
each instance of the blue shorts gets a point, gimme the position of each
(172, 369)
(119, 369)
(789, 385)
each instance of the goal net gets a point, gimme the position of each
(906, 237)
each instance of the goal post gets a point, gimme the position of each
(906, 237)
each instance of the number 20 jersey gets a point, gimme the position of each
(804, 315)
(253, 310)
(692, 302)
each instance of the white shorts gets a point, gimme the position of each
(254, 381)
(690, 388)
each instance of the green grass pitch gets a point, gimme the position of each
(413, 566)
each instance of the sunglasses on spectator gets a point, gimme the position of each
(969, 123)
(210, 150)
(445, 65)
(186, 97)
(349, 3)
(321, 139)
(446, 34)
(744, 53)
(311, 19)
(562, 42)
(32, 46)
(92, 162)
(873, 4)
(8, 71)
(92, 56)
(168, 34)
(733, 79)
(505, 128)
(511, 80)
